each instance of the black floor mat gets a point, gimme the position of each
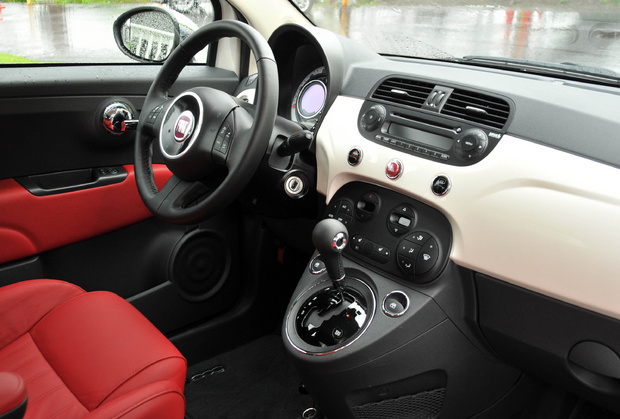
(258, 381)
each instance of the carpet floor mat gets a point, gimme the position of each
(256, 380)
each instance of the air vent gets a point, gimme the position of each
(477, 108)
(403, 92)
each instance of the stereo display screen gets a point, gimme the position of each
(422, 137)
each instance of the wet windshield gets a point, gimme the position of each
(573, 32)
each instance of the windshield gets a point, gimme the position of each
(574, 32)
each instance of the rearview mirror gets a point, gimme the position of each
(148, 34)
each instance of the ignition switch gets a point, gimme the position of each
(295, 187)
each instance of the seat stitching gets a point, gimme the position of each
(45, 393)
(65, 408)
(24, 362)
(134, 373)
(37, 376)
(63, 384)
(13, 350)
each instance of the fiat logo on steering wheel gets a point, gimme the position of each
(184, 127)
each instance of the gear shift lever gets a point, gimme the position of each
(330, 238)
(329, 317)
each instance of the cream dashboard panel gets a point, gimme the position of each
(539, 218)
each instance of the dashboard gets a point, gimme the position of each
(513, 178)
(524, 191)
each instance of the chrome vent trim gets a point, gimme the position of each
(478, 108)
(403, 92)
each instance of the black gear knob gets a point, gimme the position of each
(330, 237)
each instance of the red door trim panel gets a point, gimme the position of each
(33, 224)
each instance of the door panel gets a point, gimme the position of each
(50, 117)
(35, 224)
(64, 216)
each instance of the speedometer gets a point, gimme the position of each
(309, 99)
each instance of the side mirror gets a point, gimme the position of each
(149, 34)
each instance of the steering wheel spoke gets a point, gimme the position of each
(234, 139)
(178, 195)
(150, 119)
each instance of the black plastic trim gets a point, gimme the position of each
(72, 180)
(376, 230)
(540, 335)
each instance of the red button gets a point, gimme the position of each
(393, 169)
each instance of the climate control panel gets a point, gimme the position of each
(391, 232)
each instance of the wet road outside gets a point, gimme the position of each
(68, 33)
(60, 33)
(83, 33)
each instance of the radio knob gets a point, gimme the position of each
(472, 144)
(373, 118)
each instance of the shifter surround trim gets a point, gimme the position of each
(290, 318)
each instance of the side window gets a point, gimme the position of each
(41, 33)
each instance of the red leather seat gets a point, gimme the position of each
(87, 355)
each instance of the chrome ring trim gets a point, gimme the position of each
(387, 313)
(320, 271)
(339, 238)
(290, 190)
(372, 317)
(303, 90)
(197, 125)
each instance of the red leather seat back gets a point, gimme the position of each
(88, 354)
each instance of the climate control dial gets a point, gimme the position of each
(417, 253)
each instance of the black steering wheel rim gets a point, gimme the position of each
(162, 203)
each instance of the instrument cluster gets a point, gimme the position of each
(308, 102)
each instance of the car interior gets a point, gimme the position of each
(300, 227)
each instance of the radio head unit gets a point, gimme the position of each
(453, 142)
(452, 125)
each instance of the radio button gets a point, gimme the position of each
(472, 144)
(469, 143)
(373, 118)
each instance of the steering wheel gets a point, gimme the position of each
(209, 141)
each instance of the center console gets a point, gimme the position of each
(382, 324)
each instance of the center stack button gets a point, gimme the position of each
(341, 210)
(367, 206)
(417, 253)
(427, 257)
